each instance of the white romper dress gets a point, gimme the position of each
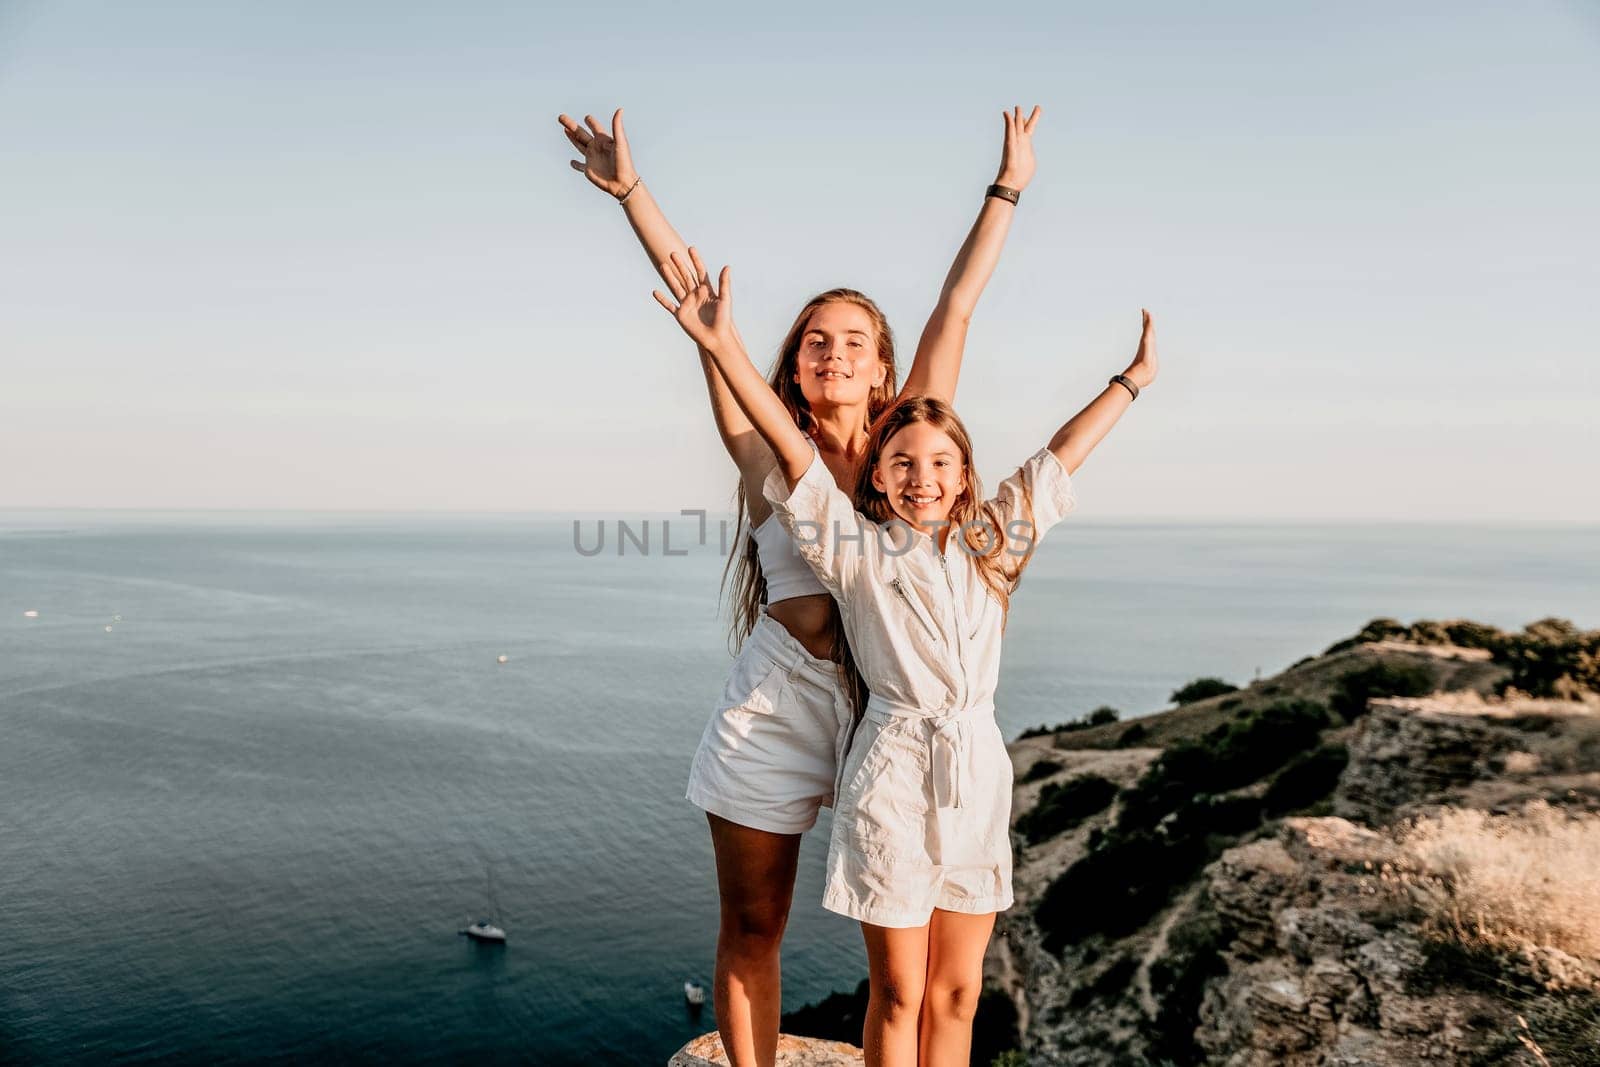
(922, 820)
(770, 754)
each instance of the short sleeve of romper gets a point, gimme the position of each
(832, 537)
(1043, 482)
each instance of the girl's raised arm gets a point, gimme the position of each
(608, 164)
(706, 315)
(1078, 436)
(937, 364)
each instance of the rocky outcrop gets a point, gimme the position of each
(1330, 959)
(1327, 965)
(1457, 748)
(706, 1051)
(1315, 938)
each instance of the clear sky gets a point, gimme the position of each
(310, 255)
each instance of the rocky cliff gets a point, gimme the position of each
(1387, 854)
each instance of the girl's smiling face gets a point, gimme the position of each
(920, 472)
(838, 360)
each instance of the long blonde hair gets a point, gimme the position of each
(742, 581)
(974, 519)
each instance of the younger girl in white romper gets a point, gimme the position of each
(923, 821)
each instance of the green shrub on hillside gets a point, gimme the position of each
(1552, 658)
(1548, 658)
(1468, 634)
(1111, 984)
(1461, 632)
(1200, 689)
(1233, 754)
(1116, 888)
(1131, 871)
(1306, 779)
(1135, 733)
(1098, 717)
(1428, 632)
(1355, 688)
(1042, 769)
(1204, 815)
(1381, 629)
(1063, 805)
(1177, 982)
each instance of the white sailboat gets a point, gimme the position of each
(488, 930)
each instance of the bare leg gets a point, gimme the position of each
(755, 878)
(956, 943)
(898, 967)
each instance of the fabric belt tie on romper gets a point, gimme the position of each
(949, 742)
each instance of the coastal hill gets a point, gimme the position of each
(1384, 854)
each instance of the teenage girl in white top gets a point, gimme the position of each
(923, 569)
(769, 756)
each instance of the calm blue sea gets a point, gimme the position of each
(247, 821)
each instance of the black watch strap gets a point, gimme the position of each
(1004, 192)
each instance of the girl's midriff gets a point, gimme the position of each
(807, 619)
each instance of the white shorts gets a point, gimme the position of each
(917, 828)
(770, 756)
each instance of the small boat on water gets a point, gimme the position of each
(694, 993)
(488, 930)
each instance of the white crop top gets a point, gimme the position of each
(787, 574)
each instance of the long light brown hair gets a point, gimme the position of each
(742, 581)
(976, 521)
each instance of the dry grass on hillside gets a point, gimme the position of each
(1506, 882)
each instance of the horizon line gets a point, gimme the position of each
(597, 513)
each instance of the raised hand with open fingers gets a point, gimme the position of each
(606, 160)
(704, 312)
(1145, 364)
(1016, 154)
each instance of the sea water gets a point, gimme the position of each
(257, 771)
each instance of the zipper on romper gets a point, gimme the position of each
(961, 659)
(900, 587)
(945, 566)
